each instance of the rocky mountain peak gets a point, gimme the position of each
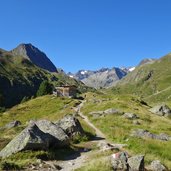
(104, 77)
(36, 56)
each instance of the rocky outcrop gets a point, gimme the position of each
(157, 166)
(161, 110)
(70, 125)
(61, 139)
(130, 116)
(43, 134)
(31, 138)
(146, 134)
(136, 163)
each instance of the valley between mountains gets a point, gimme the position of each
(109, 119)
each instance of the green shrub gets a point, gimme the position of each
(44, 88)
(9, 166)
(79, 138)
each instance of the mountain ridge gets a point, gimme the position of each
(102, 78)
(32, 53)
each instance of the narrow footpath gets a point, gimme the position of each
(74, 162)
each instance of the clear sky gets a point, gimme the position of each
(89, 34)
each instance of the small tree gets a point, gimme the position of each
(44, 88)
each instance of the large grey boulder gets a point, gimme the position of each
(31, 138)
(43, 134)
(161, 110)
(157, 166)
(130, 116)
(146, 134)
(60, 137)
(136, 163)
(71, 126)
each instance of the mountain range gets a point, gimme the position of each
(105, 77)
(25, 67)
(102, 78)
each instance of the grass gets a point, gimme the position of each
(118, 129)
(97, 164)
(45, 107)
(22, 159)
(147, 80)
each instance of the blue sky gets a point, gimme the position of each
(89, 34)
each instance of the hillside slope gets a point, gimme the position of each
(19, 77)
(153, 78)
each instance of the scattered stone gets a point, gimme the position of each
(118, 164)
(12, 124)
(61, 139)
(97, 115)
(119, 161)
(71, 126)
(136, 122)
(130, 116)
(99, 112)
(119, 146)
(31, 138)
(112, 111)
(136, 163)
(44, 166)
(157, 166)
(104, 146)
(161, 110)
(163, 137)
(106, 112)
(146, 134)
